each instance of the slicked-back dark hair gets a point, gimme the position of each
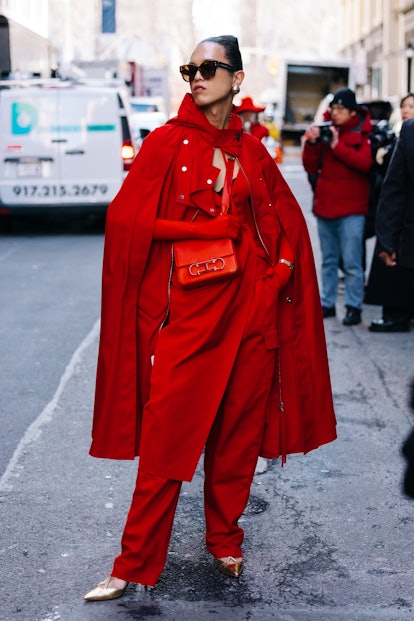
(231, 48)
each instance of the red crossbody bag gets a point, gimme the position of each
(200, 261)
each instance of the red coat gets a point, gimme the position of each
(136, 272)
(343, 184)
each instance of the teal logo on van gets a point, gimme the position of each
(23, 118)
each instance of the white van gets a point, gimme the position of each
(63, 146)
(147, 113)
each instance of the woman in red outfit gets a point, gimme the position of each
(238, 367)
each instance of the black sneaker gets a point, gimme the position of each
(352, 317)
(328, 311)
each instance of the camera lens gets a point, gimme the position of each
(325, 134)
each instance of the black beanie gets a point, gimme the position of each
(346, 98)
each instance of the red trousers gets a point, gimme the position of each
(231, 454)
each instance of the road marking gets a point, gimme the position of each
(35, 429)
(9, 252)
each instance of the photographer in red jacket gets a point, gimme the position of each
(339, 153)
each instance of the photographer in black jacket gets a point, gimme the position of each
(395, 215)
(395, 234)
(408, 452)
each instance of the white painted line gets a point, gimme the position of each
(9, 252)
(35, 429)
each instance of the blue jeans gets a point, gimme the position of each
(342, 238)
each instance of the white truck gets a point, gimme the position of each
(305, 84)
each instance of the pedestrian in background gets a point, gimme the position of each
(249, 114)
(270, 124)
(236, 367)
(340, 156)
(395, 233)
(408, 452)
(390, 287)
(394, 224)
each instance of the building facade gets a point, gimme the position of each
(25, 49)
(378, 35)
(161, 35)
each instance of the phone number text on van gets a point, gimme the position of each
(56, 191)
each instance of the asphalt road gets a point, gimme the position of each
(328, 536)
(49, 300)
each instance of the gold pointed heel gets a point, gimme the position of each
(104, 592)
(230, 566)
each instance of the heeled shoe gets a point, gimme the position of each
(230, 566)
(104, 592)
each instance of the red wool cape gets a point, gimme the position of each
(135, 298)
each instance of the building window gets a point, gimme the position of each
(376, 83)
(108, 16)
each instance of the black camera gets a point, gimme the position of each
(381, 135)
(325, 133)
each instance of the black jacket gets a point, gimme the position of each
(395, 214)
(408, 452)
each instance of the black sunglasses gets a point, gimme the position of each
(207, 69)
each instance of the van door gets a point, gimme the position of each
(88, 134)
(29, 161)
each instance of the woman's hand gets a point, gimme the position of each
(219, 227)
(282, 274)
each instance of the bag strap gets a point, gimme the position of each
(226, 196)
